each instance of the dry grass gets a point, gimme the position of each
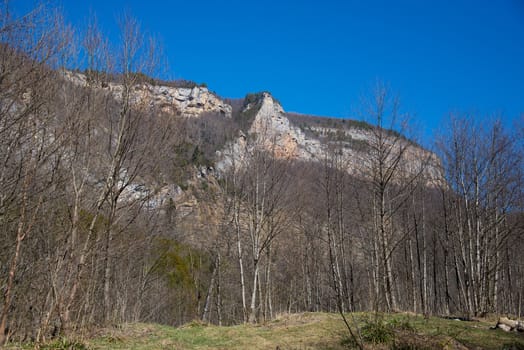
(303, 332)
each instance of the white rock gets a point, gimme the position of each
(189, 102)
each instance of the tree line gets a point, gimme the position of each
(83, 245)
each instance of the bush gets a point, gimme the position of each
(377, 332)
(402, 324)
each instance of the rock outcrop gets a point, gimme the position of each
(272, 130)
(185, 101)
(189, 102)
(277, 133)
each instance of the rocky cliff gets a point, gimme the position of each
(185, 101)
(286, 136)
(279, 135)
(298, 138)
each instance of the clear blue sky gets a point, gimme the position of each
(320, 57)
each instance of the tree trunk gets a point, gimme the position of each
(12, 271)
(253, 307)
(413, 277)
(219, 292)
(508, 325)
(268, 307)
(107, 276)
(207, 303)
(241, 265)
(21, 234)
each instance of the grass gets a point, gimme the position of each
(303, 332)
(473, 335)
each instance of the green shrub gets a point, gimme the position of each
(402, 324)
(377, 332)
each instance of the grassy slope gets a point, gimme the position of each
(298, 331)
(305, 331)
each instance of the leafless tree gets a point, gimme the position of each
(31, 47)
(391, 170)
(482, 168)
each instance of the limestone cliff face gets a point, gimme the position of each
(278, 135)
(188, 102)
(273, 131)
(269, 129)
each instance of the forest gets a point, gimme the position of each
(438, 235)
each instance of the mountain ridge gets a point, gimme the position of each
(288, 136)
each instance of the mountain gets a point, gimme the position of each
(294, 136)
(289, 136)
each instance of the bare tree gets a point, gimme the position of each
(31, 46)
(391, 169)
(333, 184)
(261, 211)
(482, 168)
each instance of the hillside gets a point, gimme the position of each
(287, 135)
(219, 130)
(292, 135)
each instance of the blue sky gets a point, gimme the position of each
(321, 57)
